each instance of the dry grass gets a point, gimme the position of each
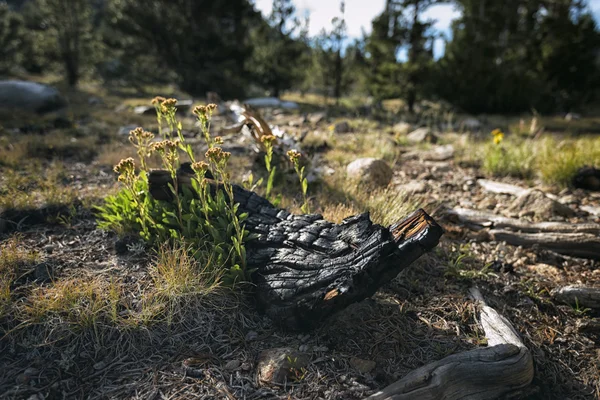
(34, 184)
(14, 257)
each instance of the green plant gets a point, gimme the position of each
(208, 221)
(294, 156)
(580, 311)
(267, 141)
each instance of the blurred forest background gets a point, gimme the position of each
(502, 57)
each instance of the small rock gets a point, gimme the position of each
(320, 348)
(31, 371)
(144, 110)
(535, 203)
(100, 365)
(303, 348)
(363, 366)
(342, 127)
(124, 130)
(43, 272)
(275, 366)
(471, 124)
(315, 118)
(246, 366)
(370, 171)
(252, 335)
(401, 128)
(413, 187)
(233, 364)
(422, 135)
(572, 116)
(440, 153)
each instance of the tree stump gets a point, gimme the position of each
(307, 268)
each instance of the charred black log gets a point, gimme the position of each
(307, 268)
(587, 178)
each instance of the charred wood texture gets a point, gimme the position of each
(307, 268)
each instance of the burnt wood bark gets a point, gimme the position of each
(307, 268)
(504, 367)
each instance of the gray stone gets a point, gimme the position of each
(233, 365)
(342, 127)
(124, 130)
(276, 366)
(422, 135)
(471, 124)
(413, 187)
(540, 207)
(43, 272)
(29, 96)
(401, 128)
(315, 118)
(363, 366)
(371, 171)
(439, 153)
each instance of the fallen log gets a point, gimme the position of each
(578, 240)
(307, 268)
(584, 245)
(477, 220)
(502, 368)
(585, 297)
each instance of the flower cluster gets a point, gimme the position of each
(165, 146)
(294, 156)
(268, 139)
(126, 170)
(498, 136)
(217, 155)
(139, 134)
(200, 167)
(204, 111)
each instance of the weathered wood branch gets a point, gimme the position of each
(582, 296)
(579, 240)
(476, 220)
(583, 245)
(307, 268)
(505, 366)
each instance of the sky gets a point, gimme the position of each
(359, 14)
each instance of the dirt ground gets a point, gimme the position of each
(211, 352)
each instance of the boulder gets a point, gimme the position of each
(370, 171)
(536, 204)
(422, 135)
(278, 365)
(30, 96)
